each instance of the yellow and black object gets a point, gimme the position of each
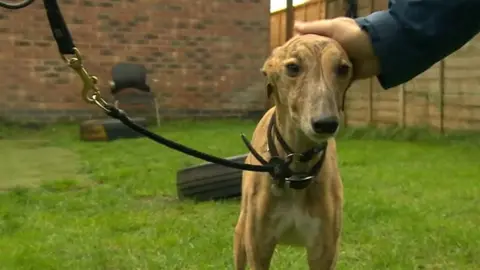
(124, 76)
(108, 129)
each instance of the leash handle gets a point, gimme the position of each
(19, 5)
(66, 46)
(59, 28)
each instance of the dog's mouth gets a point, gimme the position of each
(319, 138)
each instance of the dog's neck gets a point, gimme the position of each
(292, 135)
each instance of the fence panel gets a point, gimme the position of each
(446, 96)
(310, 11)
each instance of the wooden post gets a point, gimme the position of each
(370, 84)
(279, 29)
(325, 9)
(341, 11)
(322, 9)
(370, 101)
(401, 105)
(441, 90)
(305, 8)
(339, 8)
(289, 20)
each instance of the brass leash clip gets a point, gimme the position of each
(90, 91)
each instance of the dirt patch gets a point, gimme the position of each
(34, 163)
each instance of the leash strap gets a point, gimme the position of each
(276, 166)
(281, 172)
(119, 114)
(305, 156)
(352, 12)
(59, 28)
(91, 92)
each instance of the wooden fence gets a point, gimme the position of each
(312, 10)
(445, 97)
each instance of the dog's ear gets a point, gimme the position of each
(270, 69)
(345, 69)
(269, 89)
(268, 83)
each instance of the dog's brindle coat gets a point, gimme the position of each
(307, 78)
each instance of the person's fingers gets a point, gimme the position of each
(319, 27)
(350, 36)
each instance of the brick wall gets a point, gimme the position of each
(203, 57)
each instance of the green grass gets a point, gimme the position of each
(411, 203)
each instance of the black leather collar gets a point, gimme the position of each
(295, 180)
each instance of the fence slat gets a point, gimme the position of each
(441, 93)
(401, 105)
(309, 11)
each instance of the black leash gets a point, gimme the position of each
(66, 46)
(91, 93)
(59, 28)
(123, 117)
(277, 167)
(295, 180)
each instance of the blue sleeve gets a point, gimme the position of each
(413, 35)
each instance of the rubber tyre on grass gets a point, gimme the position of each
(209, 181)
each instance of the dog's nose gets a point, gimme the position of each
(325, 125)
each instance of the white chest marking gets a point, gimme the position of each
(293, 225)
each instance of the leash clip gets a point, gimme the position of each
(90, 91)
(284, 175)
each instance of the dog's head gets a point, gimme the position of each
(307, 78)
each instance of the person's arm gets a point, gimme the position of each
(413, 35)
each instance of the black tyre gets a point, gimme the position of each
(209, 181)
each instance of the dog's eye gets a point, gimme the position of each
(342, 69)
(292, 69)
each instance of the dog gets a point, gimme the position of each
(307, 78)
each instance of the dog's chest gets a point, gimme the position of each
(292, 224)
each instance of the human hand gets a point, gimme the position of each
(351, 37)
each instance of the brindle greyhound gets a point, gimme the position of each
(307, 78)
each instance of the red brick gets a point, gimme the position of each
(199, 54)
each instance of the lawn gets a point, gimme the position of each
(410, 204)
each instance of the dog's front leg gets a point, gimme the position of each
(323, 254)
(259, 246)
(239, 251)
(322, 257)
